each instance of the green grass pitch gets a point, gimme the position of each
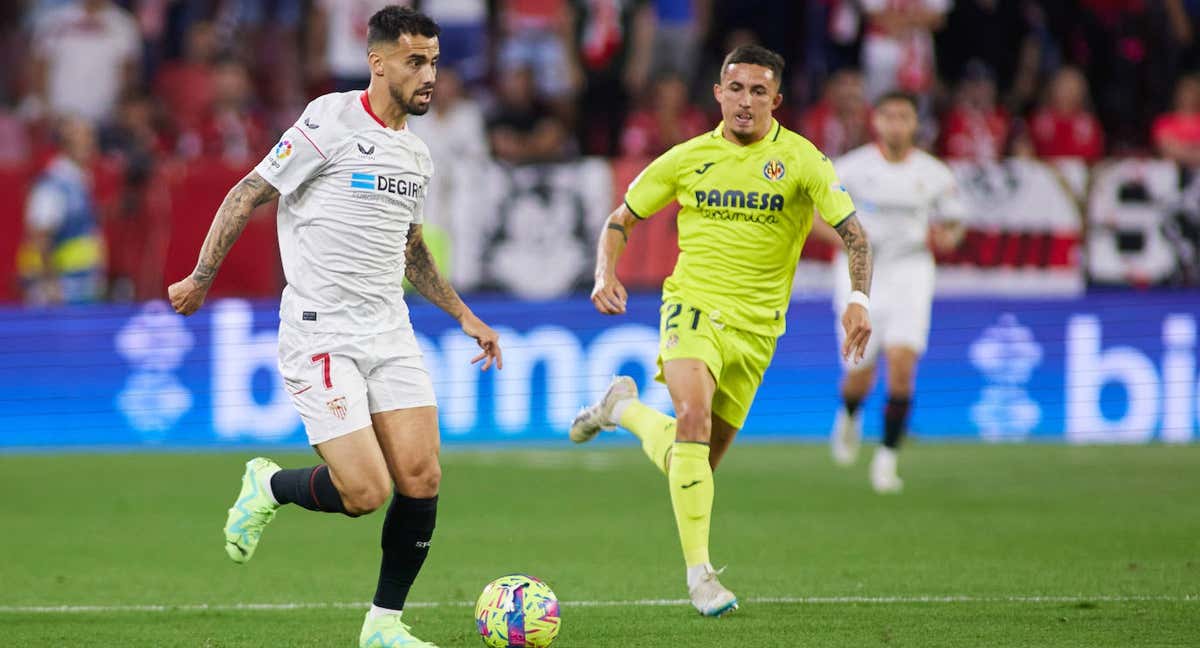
(1030, 545)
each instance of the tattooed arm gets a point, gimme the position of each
(608, 295)
(252, 191)
(858, 251)
(422, 273)
(856, 321)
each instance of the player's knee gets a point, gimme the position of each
(366, 497)
(901, 379)
(421, 479)
(693, 422)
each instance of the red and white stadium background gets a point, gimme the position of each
(1035, 229)
(1020, 350)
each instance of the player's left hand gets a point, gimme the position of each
(856, 322)
(946, 238)
(487, 339)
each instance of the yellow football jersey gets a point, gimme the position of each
(745, 212)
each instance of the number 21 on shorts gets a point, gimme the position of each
(674, 310)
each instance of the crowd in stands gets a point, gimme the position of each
(138, 85)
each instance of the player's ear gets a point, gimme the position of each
(717, 92)
(778, 100)
(375, 61)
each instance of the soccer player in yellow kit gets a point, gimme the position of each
(747, 192)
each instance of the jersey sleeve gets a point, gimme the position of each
(826, 191)
(846, 168)
(296, 158)
(949, 204)
(655, 186)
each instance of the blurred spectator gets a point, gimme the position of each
(613, 40)
(1125, 49)
(1064, 127)
(268, 32)
(14, 139)
(464, 38)
(133, 138)
(778, 26)
(521, 128)
(86, 55)
(135, 222)
(231, 130)
(454, 126)
(1184, 18)
(534, 35)
(337, 42)
(997, 33)
(13, 51)
(669, 120)
(186, 86)
(897, 49)
(1177, 133)
(458, 143)
(976, 128)
(677, 30)
(840, 121)
(62, 256)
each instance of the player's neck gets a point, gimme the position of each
(384, 109)
(894, 155)
(753, 139)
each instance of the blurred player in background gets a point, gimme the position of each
(747, 190)
(897, 189)
(351, 180)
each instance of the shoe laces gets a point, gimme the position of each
(710, 576)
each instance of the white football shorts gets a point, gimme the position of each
(338, 380)
(901, 300)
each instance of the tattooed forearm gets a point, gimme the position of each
(229, 222)
(609, 249)
(858, 251)
(421, 271)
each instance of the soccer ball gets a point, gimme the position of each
(517, 610)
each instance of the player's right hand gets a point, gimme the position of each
(856, 322)
(609, 296)
(187, 295)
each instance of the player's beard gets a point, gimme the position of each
(411, 106)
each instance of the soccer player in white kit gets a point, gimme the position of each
(904, 195)
(351, 182)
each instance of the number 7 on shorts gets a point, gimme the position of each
(324, 358)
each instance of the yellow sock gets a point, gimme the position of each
(691, 481)
(655, 429)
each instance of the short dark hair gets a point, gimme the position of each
(389, 23)
(755, 55)
(898, 95)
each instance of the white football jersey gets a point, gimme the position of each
(349, 187)
(896, 201)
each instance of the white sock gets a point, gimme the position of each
(377, 612)
(619, 409)
(266, 486)
(697, 572)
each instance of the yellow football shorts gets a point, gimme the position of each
(736, 358)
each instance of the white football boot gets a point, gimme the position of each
(845, 438)
(883, 472)
(710, 597)
(599, 416)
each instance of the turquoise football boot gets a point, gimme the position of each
(388, 631)
(254, 508)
